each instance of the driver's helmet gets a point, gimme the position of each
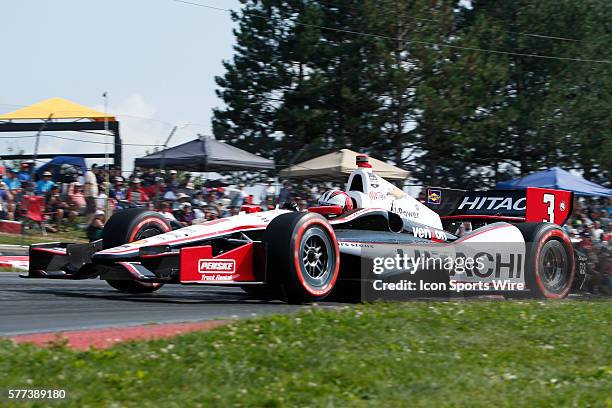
(337, 198)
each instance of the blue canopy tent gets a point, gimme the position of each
(556, 178)
(62, 165)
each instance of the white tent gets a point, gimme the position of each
(339, 165)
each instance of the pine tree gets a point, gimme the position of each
(408, 81)
(506, 115)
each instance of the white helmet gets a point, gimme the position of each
(336, 198)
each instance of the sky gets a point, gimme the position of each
(156, 59)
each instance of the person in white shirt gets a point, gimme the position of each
(101, 201)
(596, 231)
(268, 195)
(168, 215)
(90, 191)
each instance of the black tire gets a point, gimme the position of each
(130, 225)
(549, 262)
(303, 258)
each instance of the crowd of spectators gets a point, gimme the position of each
(87, 198)
(590, 229)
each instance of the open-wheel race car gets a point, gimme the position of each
(306, 256)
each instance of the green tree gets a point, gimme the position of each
(492, 116)
(408, 80)
(333, 88)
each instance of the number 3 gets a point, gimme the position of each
(550, 200)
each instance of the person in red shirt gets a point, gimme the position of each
(136, 194)
(607, 236)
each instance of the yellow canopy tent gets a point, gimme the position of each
(62, 115)
(338, 165)
(56, 108)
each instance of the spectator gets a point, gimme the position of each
(169, 194)
(168, 215)
(607, 236)
(596, 231)
(13, 183)
(212, 209)
(76, 198)
(198, 212)
(118, 191)
(44, 186)
(99, 173)
(6, 199)
(268, 196)
(585, 220)
(91, 193)
(172, 182)
(24, 174)
(57, 208)
(198, 199)
(101, 200)
(136, 194)
(185, 215)
(160, 186)
(180, 199)
(187, 188)
(238, 198)
(149, 183)
(13, 186)
(212, 212)
(286, 193)
(94, 229)
(114, 173)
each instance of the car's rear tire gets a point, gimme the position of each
(303, 258)
(549, 262)
(131, 225)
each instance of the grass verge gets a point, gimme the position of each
(32, 238)
(417, 354)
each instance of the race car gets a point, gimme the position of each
(333, 248)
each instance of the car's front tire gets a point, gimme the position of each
(303, 258)
(132, 225)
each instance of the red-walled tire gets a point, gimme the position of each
(303, 258)
(549, 262)
(131, 225)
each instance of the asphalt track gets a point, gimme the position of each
(40, 305)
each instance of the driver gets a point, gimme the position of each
(336, 198)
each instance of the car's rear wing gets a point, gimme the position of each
(531, 205)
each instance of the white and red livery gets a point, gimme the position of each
(306, 256)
